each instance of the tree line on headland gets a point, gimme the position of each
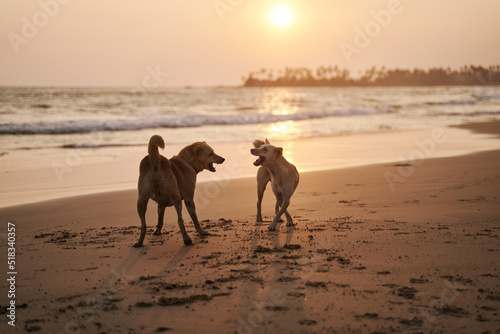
(335, 77)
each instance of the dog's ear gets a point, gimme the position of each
(278, 152)
(258, 143)
(267, 141)
(198, 148)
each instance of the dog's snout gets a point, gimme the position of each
(221, 159)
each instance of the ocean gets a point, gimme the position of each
(60, 118)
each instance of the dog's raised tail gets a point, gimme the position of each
(155, 142)
(258, 143)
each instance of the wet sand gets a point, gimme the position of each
(29, 176)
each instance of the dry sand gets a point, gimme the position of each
(422, 255)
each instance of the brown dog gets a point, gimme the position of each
(168, 182)
(284, 179)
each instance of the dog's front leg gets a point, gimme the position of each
(161, 213)
(279, 201)
(180, 221)
(260, 195)
(263, 178)
(284, 206)
(192, 212)
(289, 219)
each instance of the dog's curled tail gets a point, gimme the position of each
(258, 143)
(155, 142)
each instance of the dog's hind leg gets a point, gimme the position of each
(192, 212)
(180, 221)
(161, 213)
(142, 205)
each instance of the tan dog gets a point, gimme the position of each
(284, 179)
(168, 182)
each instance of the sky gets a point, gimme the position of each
(215, 42)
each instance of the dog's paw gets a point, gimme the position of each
(271, 228)
(137, 245)
(188, 241)
(290, 224)
(157, 232)
(259, 220)
(203, 232)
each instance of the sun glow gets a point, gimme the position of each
(281, 16)
(283, 130)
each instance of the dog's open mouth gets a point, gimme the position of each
(259, 161)
(211, 167)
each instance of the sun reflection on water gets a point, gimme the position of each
(283, 130)
(281, 101)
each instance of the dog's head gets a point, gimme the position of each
(202, 156)
(266, 152)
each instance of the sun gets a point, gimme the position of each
(281, 16)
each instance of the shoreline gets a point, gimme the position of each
(90, 171)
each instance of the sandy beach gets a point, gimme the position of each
(385, 248)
